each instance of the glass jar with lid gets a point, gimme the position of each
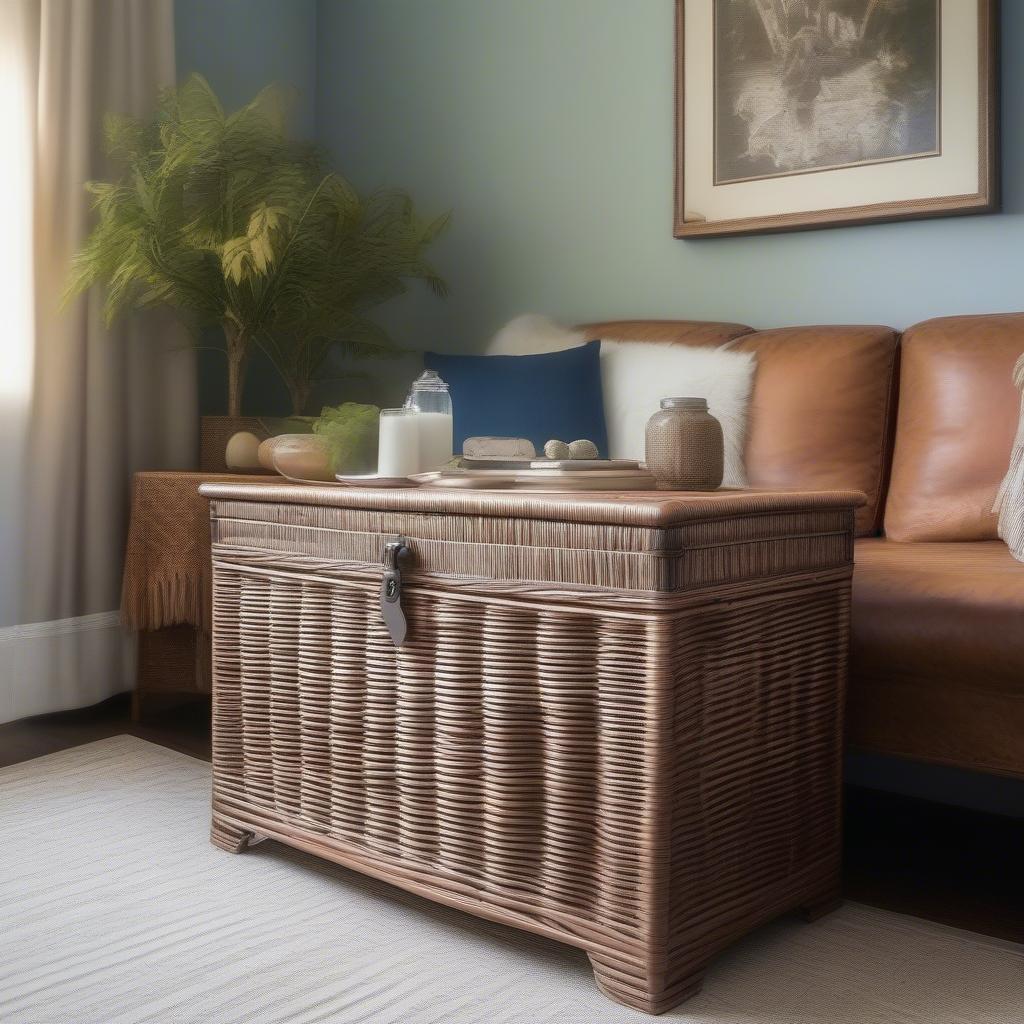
(685, 446)
(430, 397)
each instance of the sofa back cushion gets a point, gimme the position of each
(709, 333)
(957, 420)
(822, 411)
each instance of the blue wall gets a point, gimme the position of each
(243, 45)
(547, 126)
(240, 46)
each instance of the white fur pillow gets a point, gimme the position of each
(1010, 501)
(636, 375)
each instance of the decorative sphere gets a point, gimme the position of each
(582, 449)
(556, 450)
(242, 451)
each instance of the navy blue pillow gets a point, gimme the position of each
(553, 395)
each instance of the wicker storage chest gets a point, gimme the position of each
(615, 720)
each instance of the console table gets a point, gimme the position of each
(614, 720)
(165, 593)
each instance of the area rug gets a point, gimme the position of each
(114, 908)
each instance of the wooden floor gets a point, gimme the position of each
(184, 727)
(946, 864)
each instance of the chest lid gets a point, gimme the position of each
(647, 541)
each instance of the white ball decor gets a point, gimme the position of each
(242, 451)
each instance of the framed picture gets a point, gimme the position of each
(816, 113)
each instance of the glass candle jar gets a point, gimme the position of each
(685, 447)
(398, 452)
(430, 397)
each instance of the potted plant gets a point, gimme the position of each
(231, 223)
(350, 254)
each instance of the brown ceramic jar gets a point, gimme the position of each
(685, 448)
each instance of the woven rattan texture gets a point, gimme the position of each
(165, 589)
(684, 449)
(173, 660)
(166, 578)
(620, 557)
(654, 509)
(645, 776)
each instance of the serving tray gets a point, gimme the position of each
(571, 464)
(546, 479)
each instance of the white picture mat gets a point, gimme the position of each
(953, 173)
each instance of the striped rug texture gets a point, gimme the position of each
(114, 908)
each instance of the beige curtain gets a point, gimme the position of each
(98, 404)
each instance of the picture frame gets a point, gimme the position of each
(801, 114)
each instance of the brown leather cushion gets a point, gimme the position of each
(680, 332)
(821, 413)
(937, 652)
(822, 410)
(957, 419)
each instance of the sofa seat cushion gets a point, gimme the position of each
(938, 611)
(937, 652)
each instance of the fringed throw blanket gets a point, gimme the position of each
(1010, 500)
(167, 562)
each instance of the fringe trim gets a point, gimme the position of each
(1010, 499)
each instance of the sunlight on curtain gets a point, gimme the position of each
(16, 292)
(82, 406)
(16, 295)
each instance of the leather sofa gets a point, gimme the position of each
(923, 424)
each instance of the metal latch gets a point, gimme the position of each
(391, 590)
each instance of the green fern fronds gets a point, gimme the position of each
(225, 219)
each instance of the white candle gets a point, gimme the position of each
(435, 429)
(398, 453)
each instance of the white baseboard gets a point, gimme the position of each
(64, 664)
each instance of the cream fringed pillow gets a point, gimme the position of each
(1010, 500)
(636, 375)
